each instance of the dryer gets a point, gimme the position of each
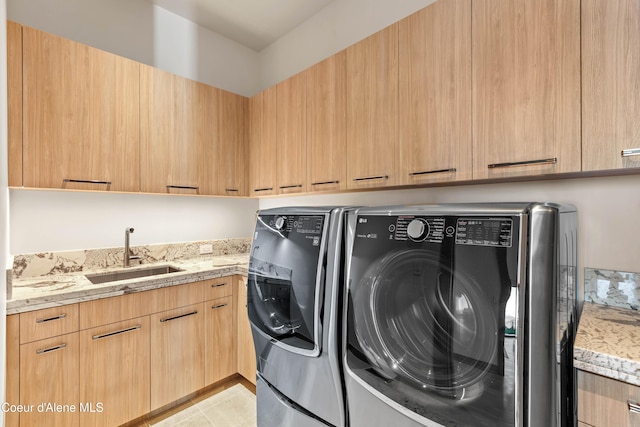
(461, 315)
(293, 294)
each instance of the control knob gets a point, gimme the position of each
(418, 229)
(281, 221)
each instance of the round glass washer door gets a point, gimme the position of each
(419, 320)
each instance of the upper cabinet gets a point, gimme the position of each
(526, 87)
(80, 116)
(610, 84)
(291, 137)
(14, 101)
(178, 140)
(262, 143)
(232, 144)
(435, 141)
(372, 110)
(326, 124)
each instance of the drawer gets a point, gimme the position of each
(604, 402)
(47, 323)
(181, 295)
(116, 309)
(218, 288)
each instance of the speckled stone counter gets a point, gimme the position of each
(53, 279)
(608, 338)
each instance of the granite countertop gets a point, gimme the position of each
(608, 342)
(34, 293)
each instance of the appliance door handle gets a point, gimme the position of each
(551, 161)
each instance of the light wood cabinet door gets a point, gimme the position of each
(80, 116)
(12, 378)
(114, 372)
(526, 87)
(246, 350)
(178, 140)
(610, 84)
(221, 356)
(326, 124)
(49, 377)
(604, 402)
(372, 110)
(435, 142)
(291, 134)
(232, 158)
(262, 143)
(14, 102)
(177, 354)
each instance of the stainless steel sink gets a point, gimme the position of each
(130, 274)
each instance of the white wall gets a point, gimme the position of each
(608, 210)
(146, 33)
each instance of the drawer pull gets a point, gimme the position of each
(369, 178)
(264, 189)
(284, 187)
(630, 152)
(218, 306)
(184, 187)
(634, 407)
(325, 182)
(167, 319)
(50, 349)
(450, 170)
(122, 331)
(551, 161)
(49, 319)
(232, 190)
(85, 181)
(217, 285)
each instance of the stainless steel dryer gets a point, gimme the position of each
(292, 298)
(461, 315)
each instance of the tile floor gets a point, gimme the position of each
(233, 407)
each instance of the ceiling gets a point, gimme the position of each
(253, 23)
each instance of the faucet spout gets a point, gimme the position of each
(127, 251)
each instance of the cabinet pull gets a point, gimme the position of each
(264, 189)
(49, 319)
(325, 183)
(217, 285)
(634, 407)
(218, 306)
(50, 349)
(184, 187)
(166, 319)
(630, 152)
(284, 187)
(450, 170)
(369, 178)
(122, 331)
(232, 190)
(85, 181)
(551, 161)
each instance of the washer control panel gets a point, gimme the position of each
(484, 232)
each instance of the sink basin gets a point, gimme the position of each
(130, 274)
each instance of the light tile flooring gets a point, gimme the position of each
(233, 407)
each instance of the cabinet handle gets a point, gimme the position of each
(369, 178)
(166, 319)
(217, 285)
(450, 170)
(232, 190)
(122, 331)
(634, 407)
(218, 306)
(184, 187)
(325, 183)
(264, 189)
(85, 181)
(551, 161)
(284, 187)
(49, 319)
(50, 349)
(630, 152)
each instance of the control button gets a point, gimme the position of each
(281, 221)
(392, 228)
(418, 229)
(450, 231)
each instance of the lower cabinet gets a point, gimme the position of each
(246, 350)
(604, 402)
(177, 354)
(220, 340)
(114, 372)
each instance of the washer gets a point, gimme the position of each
(293, 295)
(461, 315)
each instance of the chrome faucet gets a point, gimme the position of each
(127, 252)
